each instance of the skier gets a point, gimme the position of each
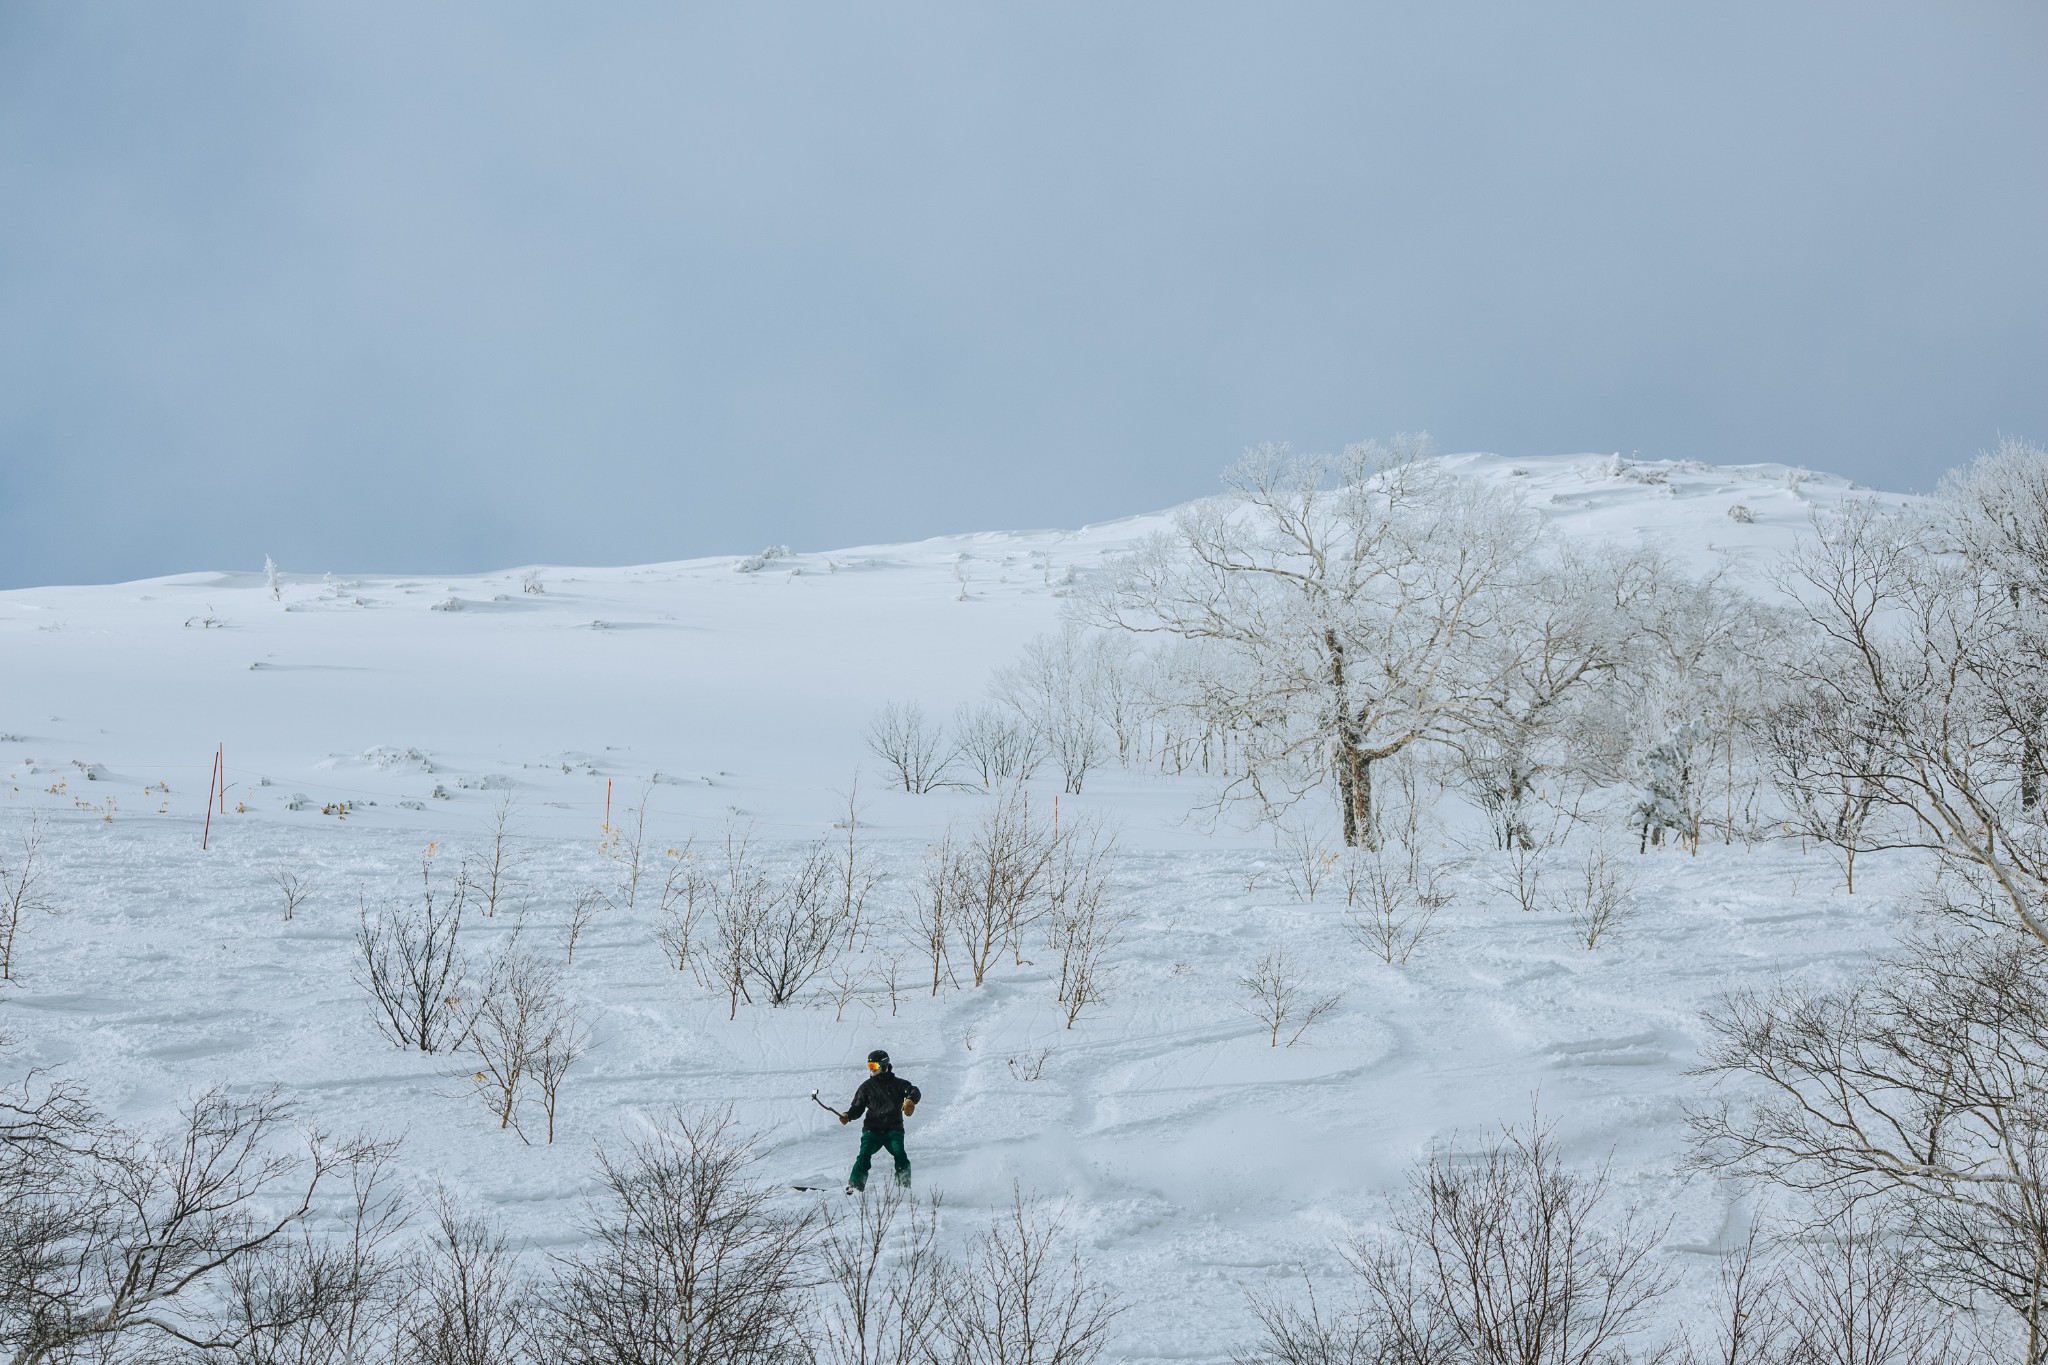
(885, 1098)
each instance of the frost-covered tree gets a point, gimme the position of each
(1689, 694)
(1571, 631)
(1342, 610)
(1924, 623)
(1057, 688)
(913, 748)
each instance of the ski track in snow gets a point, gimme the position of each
(1197, 1163)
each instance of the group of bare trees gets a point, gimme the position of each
(771, 925)
(189, 1246)
(1329, 614)
(1505, 1255)
(230, 1242)
(1016, 876)
(509, 1014)
(1918, 1094)
(1071, 700)
(1923, 701)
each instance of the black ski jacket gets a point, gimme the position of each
(881, 1098)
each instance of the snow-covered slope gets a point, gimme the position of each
(364, 718)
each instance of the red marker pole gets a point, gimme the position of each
(607, 805)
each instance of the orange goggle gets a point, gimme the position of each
(874, 1066)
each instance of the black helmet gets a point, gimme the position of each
(879, 1058)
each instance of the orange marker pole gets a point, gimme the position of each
(211, 783)
(607, 805)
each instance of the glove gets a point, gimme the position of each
(844, 1120)
(909, 1108)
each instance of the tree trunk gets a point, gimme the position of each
(1353, 768)
(1354, 791)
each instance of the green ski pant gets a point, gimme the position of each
(872, 1142)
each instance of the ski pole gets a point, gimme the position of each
(826, 1107)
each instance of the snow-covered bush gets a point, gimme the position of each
(756, 563)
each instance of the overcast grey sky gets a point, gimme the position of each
(462, 285)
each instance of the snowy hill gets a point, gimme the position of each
(362, 718)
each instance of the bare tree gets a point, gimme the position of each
(292, 887)
(564, 1040)
(467, 1306)
(1023, 1298)
(328, 1298)
(497, 869)
(123, 1239)
(1853, 1296)
(410, 960)
(1279, 998)
(1918, 1088)
(1830, 770)
(886, 1282)
(1526, 860)
(1928, 653)
(1495, 1256)
(774, 934)
(1572, 631)
(23, 892)
(796, 931)
(1395, 908)
(928, 920)
(740, 896)
(582, 914)
(1599, 899)
(847, 983)
(690, 1261)
(684, 894)
(1350, 608)
(858, 870)
(626, 846)
(913, 748)
(1309, 861)
(999, 885)
(996, 744)
(520, 1004)
(1082, 925)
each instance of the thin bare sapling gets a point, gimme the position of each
(1279, 998)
